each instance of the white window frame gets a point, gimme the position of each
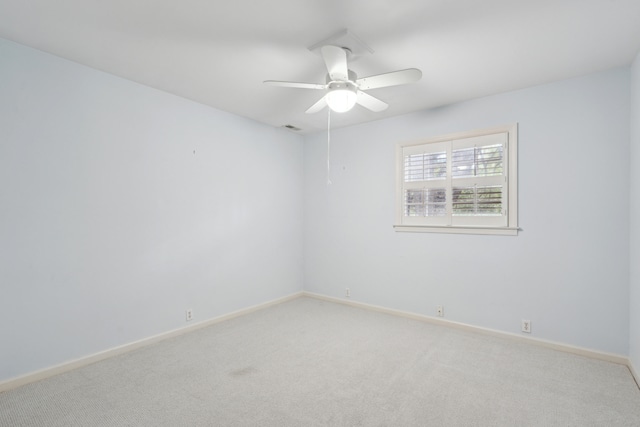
(506, 224)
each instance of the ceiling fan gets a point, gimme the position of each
(343, 87)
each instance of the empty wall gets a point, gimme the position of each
(121, 206)
(567, 270)
(634, 309)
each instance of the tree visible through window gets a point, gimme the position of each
(459, 181)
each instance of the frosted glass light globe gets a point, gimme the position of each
(341, 100)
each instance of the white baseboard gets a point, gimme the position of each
(84, 361)
(634, 373)
(609, 357)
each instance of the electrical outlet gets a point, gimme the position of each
(189, 315)
(440, 311)
(347, 293)
(526, 326)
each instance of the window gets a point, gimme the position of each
(461, 183)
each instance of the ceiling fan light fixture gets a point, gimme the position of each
(343, 88)
(341, 96)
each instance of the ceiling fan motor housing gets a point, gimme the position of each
(352, 78)
(338, 85)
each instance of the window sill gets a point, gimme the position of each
(497, 231)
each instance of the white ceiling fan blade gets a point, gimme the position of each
(322, 102)
(393, 78)
(371, 103)
(336, 60)
(294, 84)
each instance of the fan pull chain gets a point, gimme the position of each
(328, 146)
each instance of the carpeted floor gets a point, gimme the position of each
(308, 362)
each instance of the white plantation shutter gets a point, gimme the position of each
(478, 182)
(425, 171)
(421, 202)
(476, 200)
(458, 182)
(425, 166)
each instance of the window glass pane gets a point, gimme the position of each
(477, 161)
(425, 202)
(462, 162)
(425, 166)
(477, 201)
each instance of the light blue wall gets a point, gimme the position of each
(634, 309)
(122, 206)
(567, 271)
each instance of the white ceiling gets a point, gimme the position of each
(219, 52)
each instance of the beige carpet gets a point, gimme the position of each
(313, 363)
